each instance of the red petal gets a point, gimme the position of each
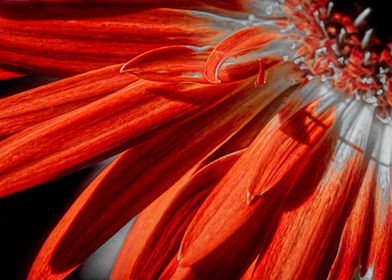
(164, 159)
(234, 5)
(226, 224)
(100, 129)
(31, 107)
(155, 238)
(381, 253)
(61, 40)
(379, 259)
(315, 212)
(245, 137)
(355, 235)
(170, 64)
(284, 145)
(238, 42)
(185, 64)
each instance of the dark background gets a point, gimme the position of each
(379, 19)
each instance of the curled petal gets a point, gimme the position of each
(238, 42)
(186, 64)
(169, 64)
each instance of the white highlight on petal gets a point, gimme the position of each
(384, 159)
(355, 126)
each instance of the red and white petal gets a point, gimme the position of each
(379, 259)
(319, 205)
(355, 235)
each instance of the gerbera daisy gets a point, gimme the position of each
(253, 138)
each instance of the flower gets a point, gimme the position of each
(257, 148)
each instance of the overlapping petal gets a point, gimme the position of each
(100, 129)
(235, 45)
(355, 237)
(239, 170)
(320, 216)
(232, 220)
(164, 159)
(187, 64)
(378, 261)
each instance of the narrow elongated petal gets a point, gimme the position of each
(100, 129)
(31, 107)
(381, 265)
(154, 240)
(61, 40)
(349, 259)
(379, 259)
(164, 159)
(232, 5)
(317, 213)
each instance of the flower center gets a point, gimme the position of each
(342, 52)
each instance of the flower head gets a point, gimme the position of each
(253, 137)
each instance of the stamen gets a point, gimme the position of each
(366, 38)
(366, 58)
(322, 26)
(329, 10)
(342, 34)
(316, 15)
(361, 17)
